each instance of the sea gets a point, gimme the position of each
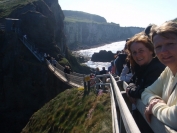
(114, 47)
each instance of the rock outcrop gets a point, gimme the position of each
(102, 56)
(25, 83)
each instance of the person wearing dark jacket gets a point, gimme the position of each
(146, 69)
(103, 71)
(144, 77)
(120, 61)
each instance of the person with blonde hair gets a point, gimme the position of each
(161, 96)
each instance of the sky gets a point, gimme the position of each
(138, 13)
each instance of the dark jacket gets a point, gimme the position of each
(144, 76)
(120, 61)
(67, 70)
(103, 72)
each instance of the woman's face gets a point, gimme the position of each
(166, 50)
(141, 54)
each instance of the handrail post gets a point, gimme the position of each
(85, 84)
(88, 85)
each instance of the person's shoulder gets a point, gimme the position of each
(157, 64)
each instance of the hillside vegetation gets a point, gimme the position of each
(79, 16)
(175, 20)
(25, 83)
(8, 6)
(73, 111)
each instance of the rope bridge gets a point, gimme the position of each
(74, 79)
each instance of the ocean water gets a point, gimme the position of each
(114, 47)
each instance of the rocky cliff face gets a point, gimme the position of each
(59, 36)
(42, 22)
(80, 34)
(25, 83)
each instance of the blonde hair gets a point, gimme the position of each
(167, 27)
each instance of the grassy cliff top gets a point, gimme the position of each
(7, 6)
(84, 16)
(75, 20)
(79, 16)
(73, 112)
(175, 20)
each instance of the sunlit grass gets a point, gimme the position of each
(7, 6)
(77, 19)
(73, 112)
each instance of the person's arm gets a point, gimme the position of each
(156, 106)
(166, 114)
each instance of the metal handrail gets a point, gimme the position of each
(129, 123)
(74, 81)
(114, 112)
(30, 46)
(127, 118)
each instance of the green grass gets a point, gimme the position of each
(73, 112)
(64, 62)
(175, 20)
(75, 20)
(8, 6)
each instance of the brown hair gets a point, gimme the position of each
(140, 37)
(167, 27)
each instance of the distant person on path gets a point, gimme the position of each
(45, 55)
(103, 71)
(120, 61)
(48, 57)
(54, 62)
(24, 37)
(111, 68)
(97, 72)
(67, 69)
(126, 73)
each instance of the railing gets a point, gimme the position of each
(72, 73)
(122, 110)
(29, 45)
(156, 125)
(2, 27)
(72, 80)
